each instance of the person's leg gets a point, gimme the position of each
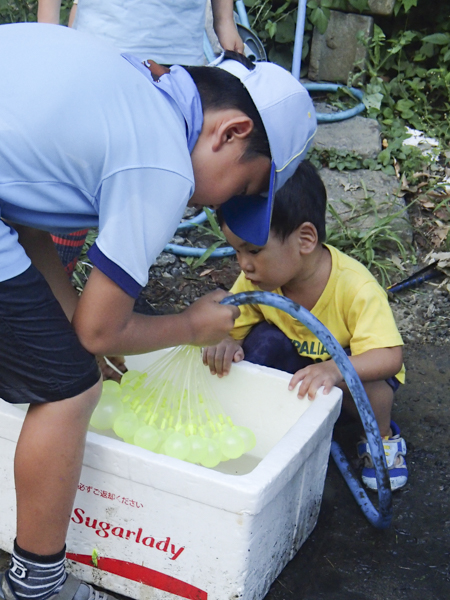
(47, 469)
(69, 247)
(268, 346)
(381, 398)
(44, 364)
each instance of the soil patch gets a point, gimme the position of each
(345, 557)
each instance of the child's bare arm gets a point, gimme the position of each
(225, 27)
(374, 365)
(219, 358)
(48, 11)
(72, 15)
(106, 324)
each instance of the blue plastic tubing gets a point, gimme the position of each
(240, 7)
(319, 87)
(382, 517)
(342, 114)
(187, 251)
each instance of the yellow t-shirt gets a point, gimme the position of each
(353, 307)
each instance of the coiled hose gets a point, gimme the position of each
(382, 517)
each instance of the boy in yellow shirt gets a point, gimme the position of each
(339, 291)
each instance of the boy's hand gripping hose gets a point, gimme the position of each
(382, 517)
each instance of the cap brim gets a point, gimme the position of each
(249, 217)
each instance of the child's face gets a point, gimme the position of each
(269, 267)
(220, 171)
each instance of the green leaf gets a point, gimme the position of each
(373, 100)
(404, 104)
(282, 9)
(360, 5)
(285, 30)
(320, 18)
(281, 55)
(204, 257)
(441, 39)
(271, 28)
(213, 223)
(384, 157)
(407, 5)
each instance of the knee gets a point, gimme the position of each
(379, 393)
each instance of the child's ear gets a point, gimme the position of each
(229, 127)
(307, 238)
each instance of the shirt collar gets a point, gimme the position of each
(178, 85)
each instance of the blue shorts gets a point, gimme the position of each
(269, 346)
(41, 358)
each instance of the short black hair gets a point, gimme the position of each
(219, 89)
(302, 199)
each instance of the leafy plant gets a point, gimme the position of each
(409, 80)
(374, 246)
(275, 22)
(84, 265)
(213, 230)
(19, 11)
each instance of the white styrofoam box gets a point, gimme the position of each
(165, 529)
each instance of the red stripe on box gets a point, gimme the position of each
(142, 574)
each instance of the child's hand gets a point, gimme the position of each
(220, 357)
(314, 376)
(210, 322)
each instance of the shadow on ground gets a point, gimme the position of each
(345, 557)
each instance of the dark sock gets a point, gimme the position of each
(36, 577)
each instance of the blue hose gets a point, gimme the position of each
(342, 114)
(187, 250)
(240, 7)
(382, 517)
(316, 87)
(200, 218)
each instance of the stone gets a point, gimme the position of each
(376, 7)
(165, 259)
(357, 135)
(362, 197)
(335, 53)
(178, 240)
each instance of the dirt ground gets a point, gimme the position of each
(346, 558)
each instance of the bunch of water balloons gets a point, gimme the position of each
(170, 409)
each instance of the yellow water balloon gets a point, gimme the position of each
(107, 411)
(177, 445)
(212, 454)
(147, 437)
(126, 425)
(231, 444)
